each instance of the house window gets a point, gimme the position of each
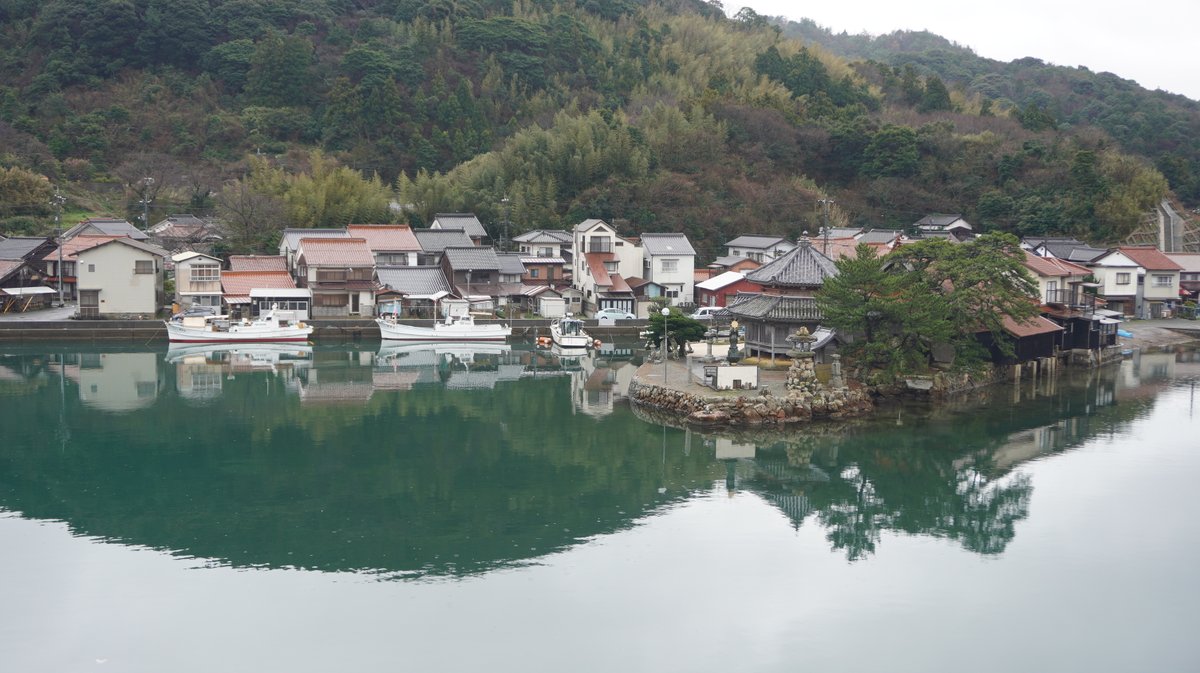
(545, 252)
(1162, 280)
(670, 265)
(610, 267)
(1051, 286)
(672, 292)
(205, 273)
(1122, 279)
(331, 299)
(143, 266)
(91, 268)
(331, 276)
(533, 273)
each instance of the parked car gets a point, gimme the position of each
(707, 312)
(611, 315)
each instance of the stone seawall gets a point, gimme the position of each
(763, 408)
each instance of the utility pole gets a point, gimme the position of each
(146, 182)
(825, 223)
(504, 236)
(57, 201)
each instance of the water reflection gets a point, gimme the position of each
(410, 461)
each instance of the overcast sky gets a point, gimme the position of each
(1150, 42)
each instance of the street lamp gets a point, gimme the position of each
(57, 201)
(666, 342)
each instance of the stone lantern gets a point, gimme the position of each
(802, 375)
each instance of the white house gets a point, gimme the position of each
(544, 242)
(761, 249)
(122, 277)
(669, 260)
(1138, 281)
(197, 280)
(601, 262)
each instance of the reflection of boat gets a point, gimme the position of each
(453, 328)
(567, 332)
(272, 326)
(439, 350)
(265, 355)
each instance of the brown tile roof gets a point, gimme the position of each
(386, 237)
(596, 262)
(619, 284)
(336, 252)
(1053, 266)
(1151, 259)
(241, 282)
(73, 245)
(1030, 326)
(257, 263)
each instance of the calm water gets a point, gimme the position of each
(371, 509)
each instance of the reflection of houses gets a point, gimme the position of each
(599, 383)
(116, 381)
(202, 369)
(787, 300)
(336, 378)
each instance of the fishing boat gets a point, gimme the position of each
(567, 332)
(271, 326)
(453, 328)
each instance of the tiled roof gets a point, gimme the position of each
(129, 242)
(437, 240)
(619, 284)
(290, 238)
(335, 252)
(241, 282)
(545, 236)
(409, 280)
(511, 263)
(940, 221)
(1150, 259)
(667, 244)
(7, 266)
(535, 290)
(18, 247)
(106, 226)
(72, 246)
(1029, 326)
(1189, 262)
(775, 308)
(589, 224)
(595, 261)
(718, 282)
(386, 237)
(1053, 267)
(803, 266)
(257, 263)
(755, 241)
(730, 260)
(465, 221)
(543, 260)
(843, 232)
(190, 254)
(1080, 254)
(472, 257)
(880, 236)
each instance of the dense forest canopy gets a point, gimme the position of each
(657, 116)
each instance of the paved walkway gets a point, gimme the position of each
(63, 313)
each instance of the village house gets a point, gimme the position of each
(669, 260)
(761, 249)
(22, 287)
(411, 291)
(1189, 272)
(106, 226)
(952, 228)
(1067, 298)
(602, 260)
(544, 270)
(67, 252)
(474, 272)
(289, 242)
(248, 293)
(434, 241)
(731, 263)
(1138, 281)
(392, 244)
(184, 232)
(721, 290)
(121, 278)
(258, 263)
(1070, 249)
(197, 280)
(544, 243)
(465, 222)
(340, 272)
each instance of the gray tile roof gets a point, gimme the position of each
(843, 232)
(545, 236)
(510, 263)
(423, 280)
(18, 247)
(437, 240)
(125, 240)
(728, 260)
(775, 308)
(465, 221)
(291, 237)
(804, 266)
(879, 236)
(755, 241)
(667, 244)
(941, 220)
(106, 226)
(472, 257)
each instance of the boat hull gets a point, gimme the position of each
(194, 335)
(442, 332)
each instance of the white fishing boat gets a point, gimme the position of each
(453, 328)
(271, 326)
(567, 332)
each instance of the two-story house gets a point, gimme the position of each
(197, 280)
(289, 242)
(761, 249)
(1066, 299)
(1158, 280)
(474, 272)
(1059, 281)
(1189, 272)
(601, 262)
(721, 290)
(467, 222)
(120, 278)
(392, 244)
(544, 243)
(249, 293)
(1117, 276)
(951, 227)
(64, 255)
(669, 260)
(340, 272)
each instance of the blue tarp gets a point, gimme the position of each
(1124, 335)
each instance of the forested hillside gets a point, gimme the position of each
(661, 116)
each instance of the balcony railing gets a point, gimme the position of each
(1072, 299)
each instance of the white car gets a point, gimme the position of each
(611, 315)
(706, 312)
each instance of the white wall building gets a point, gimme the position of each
(122, 277)
(669, 260)
(197, 280)
(601, 262)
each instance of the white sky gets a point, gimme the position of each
(1151, 42)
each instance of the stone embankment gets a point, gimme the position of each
(763, 408)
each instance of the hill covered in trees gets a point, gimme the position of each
(663, 116)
